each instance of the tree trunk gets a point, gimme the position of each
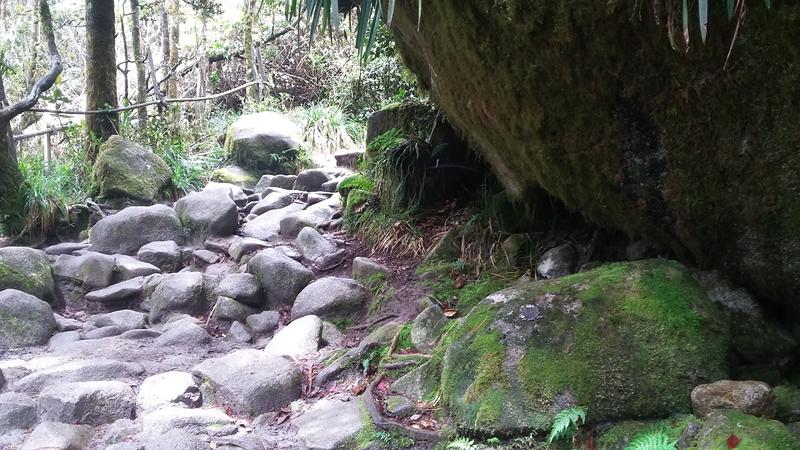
(249, 20)
(10, 176)
(101, 73)
(164, 40)
(202, 71)
(174, 41)
(138, 55)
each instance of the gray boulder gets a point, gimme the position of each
(253, 382)
(125, 169)
(330, 297)
(183, 332)
(65, 324)
(299, 338)
(243, 287)
(118, 292)
(244, 246)
(60, 436)
(103, 332)
(267, 226)
(319, 250)
(177, 293)
(311, 180)
(428, 326)
(558, 261)
(92, 270)
(196, 421)
(283, 181)
(24, 320)
(239, 333)
(128, 230)
(281, 277)
(750, 397)
(128, 267)
(27, 270)
(174, 440)
(207, 213)
(227, 308)
(125, 319)
(65, 248)
(331, 186)
(263, 183)
(235, 175)
(166, 255)
(168, 389)
(314, 216)
(264, 323)
(364, 268)
(63, 338)
(118, 433)
(254, 139)
(331, 423)
(87, 403)
(17, 412)
(274, 200)
(75, 371)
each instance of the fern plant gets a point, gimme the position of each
(462, 443)
(566, 423)
(654, 440)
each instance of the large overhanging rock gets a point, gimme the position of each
(590, 103)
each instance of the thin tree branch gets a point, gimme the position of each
(47, 81)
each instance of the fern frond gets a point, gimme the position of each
(462, 443)
(656, 440)
(566, 420)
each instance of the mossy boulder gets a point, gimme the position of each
(125, 169)
(754, 433)
(587, 101)
(262, 141)
(788, 399)
(234, 175)
(414, 118)
(24, 320)
(27, 270)
(626, 340)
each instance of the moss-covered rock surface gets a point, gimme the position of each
(588, 100)
(626, 340)
(125, 169)
(27, 270)
(753, 433)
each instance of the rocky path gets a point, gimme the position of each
(210, 324)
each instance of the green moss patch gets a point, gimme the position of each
(754, 433)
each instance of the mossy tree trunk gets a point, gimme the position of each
(101, 73)
(249, 60)
(174, 43)
(10, 175)
(138, 55)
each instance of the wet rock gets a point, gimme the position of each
(118, 292)
(400, 406)
(254, 139)
(65, 248)
(229, 309)
(90, 403)
(130, 229)
(92, 270)
(243, 287)
(428, 326)
(750, 397)
(299, 338)
(753, 432)
(77, 371)
(314, 216)
(311, 180)
(330, 297)
(274, 200)
(125, 169)
(331, 424)
(253, 382)
(558, 261)
(177, 293)
(17, 412)
(166, 255)
(125, 319)
(168, 389)
(364, 268)
(319, 250)
(207, 213)
(24, 320)
(183, 333)
(263, 323)
(283, 181)
(239, 333)
(103, 332)
(281, 277)
(60, 436)
(267, 226)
